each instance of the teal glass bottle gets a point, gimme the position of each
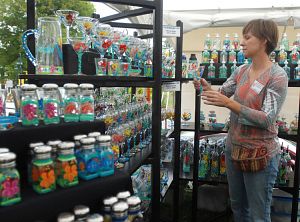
(233, 68)
(211, 74)
(106, 156)
(223, 71)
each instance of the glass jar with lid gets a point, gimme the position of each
(29, 105)
(81, 212)
(30, 156)
(87, 159)
(42, 170)
(108, 203)
(71, 103)
(9, 180)
(120, 212)
(106, 156)
(87, 102)
(66, 165)
(134, 210)
(66, 217)
(51, 104)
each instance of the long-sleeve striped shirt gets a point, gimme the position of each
(260, 102)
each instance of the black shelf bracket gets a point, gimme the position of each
(126, 14)
(130, 25)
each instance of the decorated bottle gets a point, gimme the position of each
(215, 56)
(30, 156)
(88, 160)
(186, 168)
(120, 212)
(297, 41)
(66, 165)
(272, 56)
(233, 68)
(226, 42)
(106, 156)
(236, 42)
(81, 213)
(29, 105)
(297, 72)
(214, 163)
(282, 55)
(65, 217)
(134, 210)
(205, 56)
(184, 67)
(193, 65)
(287, 69)
(294, 55)
(223, 71)
(232, 56)
(208, 42)
(211, 70)
(51, 104)
(222, 163)
(9, 180)
(240, 56)
(217, 42)
(108, 203)
(71, 103)
(86, 102)
(223, 55)
(203, 164)
(285, 42)
(43, 175)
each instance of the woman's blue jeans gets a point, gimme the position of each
(251, 193)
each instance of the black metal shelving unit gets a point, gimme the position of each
(154, 7)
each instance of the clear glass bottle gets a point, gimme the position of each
(287, 69)
(81, 213)
(51, 104)
(232, 56)
(223, 71)
(205, 56)
(282, 55)
(71, 103)
(29, 105)
(217, 42)
(211, 74)
(106, 156)
(134, 210)
(226, 42)
(223, 55)
(123, 196)
(272, 56)
(66, 165)
(297, 71)
(88, 160)
(208, 42)
(9, 180)
(236, 42)
(120, 212)
(233, 68)
(86, 102)
(65, 217)
(43, 175)
(95, 218)
(215, 56)
(108, 203)
(30, 156)
(241, 56)
(285, 42)
(294, 55)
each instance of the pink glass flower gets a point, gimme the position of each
(29, 111)
(50, 110)
(10, 188)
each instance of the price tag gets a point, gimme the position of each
(171, 86)
(171, 31)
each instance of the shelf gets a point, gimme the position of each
(97, 81)
(165, 189)
(140, 3)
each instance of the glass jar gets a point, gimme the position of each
(71, 103)
(87, 102)
(51, 104)
(134, 210)
(30, 155)
(66, 165)
(9, 180)
(88, 159)
(120, 212)
(66, 217)
(77, 139)
(81, 212)
(95, 218)
(42, 171)
(108, 203)
(54, 146)
(106, 156)
(29, 105)
(122, 196)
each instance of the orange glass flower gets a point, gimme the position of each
(48, 179)
(70, 172)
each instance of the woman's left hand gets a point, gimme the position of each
(215, 98)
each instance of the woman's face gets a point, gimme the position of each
(252, 45)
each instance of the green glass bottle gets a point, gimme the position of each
(223, 71)
(211, 70)
(205, 56)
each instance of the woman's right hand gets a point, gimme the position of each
(205, 85)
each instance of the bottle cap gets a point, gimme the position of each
(65, 217)
(87, 140)
(53, 142)
(86, 86)
(4, 150)
(94, 134)
(7, 157)
(32, 145)
(66, 145)
(50, 86)
(28, 87)
(110, 201)
(123, 195)
(42, 149)
(120, 207)
(133, 201)
(70, 86)
(79, 137)
(80, 210)
(104, 138)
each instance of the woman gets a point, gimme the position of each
(252, 147)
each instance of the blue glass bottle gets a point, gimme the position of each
(77, 139)
(106, 156)
(240, 56)
(88, 159)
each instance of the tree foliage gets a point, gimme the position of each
(13, 24)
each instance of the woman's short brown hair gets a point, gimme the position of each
(264, 29)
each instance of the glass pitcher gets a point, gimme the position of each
(48, 46)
